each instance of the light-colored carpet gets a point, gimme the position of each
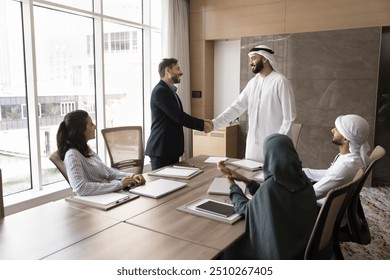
(376, 205)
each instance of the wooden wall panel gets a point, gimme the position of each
(197, 5)
(245, 21)
(211, 5)
(233, 19)
(197, 69)
(196, 26)
(202, 77)
(319, 15)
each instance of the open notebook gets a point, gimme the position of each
(103, 201)
(158, 188)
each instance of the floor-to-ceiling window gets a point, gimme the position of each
(14, 145)
(123, 75)
(61, 55)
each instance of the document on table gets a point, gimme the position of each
(177, 172)
(215, 159)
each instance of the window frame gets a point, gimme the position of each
(97, 47)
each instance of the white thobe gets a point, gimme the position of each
(342, 171)
(270, 104)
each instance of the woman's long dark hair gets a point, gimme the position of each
(70, 134)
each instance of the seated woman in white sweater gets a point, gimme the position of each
(87, 173)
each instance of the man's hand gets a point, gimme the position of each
(208, 126)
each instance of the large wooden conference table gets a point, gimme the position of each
(144, 228)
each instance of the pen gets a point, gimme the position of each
(185, 167)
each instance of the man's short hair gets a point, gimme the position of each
(166, 62)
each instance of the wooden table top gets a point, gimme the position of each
(127, 242)
(42, 230)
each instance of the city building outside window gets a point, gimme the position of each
(53, 62)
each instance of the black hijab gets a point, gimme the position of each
(282, 163)
(282, 212)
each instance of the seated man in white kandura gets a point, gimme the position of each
(350, 134)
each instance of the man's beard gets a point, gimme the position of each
(336, 142)
(258, 67)
(176, 79)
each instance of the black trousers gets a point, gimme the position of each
(158, 162)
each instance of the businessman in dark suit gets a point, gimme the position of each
(166, 141)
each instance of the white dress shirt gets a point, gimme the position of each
(341, 171)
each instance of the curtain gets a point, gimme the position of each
(175, 43)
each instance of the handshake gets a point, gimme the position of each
(208, 126)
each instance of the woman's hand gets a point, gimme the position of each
(135, 180)
(128, 182)
(139, 178)
(231, 174)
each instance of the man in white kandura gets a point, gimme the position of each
(268, 99)
(350, 134)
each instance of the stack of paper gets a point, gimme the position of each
(248, 164)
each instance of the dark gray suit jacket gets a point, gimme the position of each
(168, 118)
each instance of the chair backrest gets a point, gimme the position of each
(125, 147)
(357, 229)
(1, 197)
(323, 242)
(295, 132)
(58, 162)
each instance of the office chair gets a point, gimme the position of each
(55, 158)
(356, 228)
(295, 132)
(323, 243)
(125, 147)
(1, 197)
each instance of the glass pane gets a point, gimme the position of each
(80, 4)
(130, 10)
(123, 75)
(156, 56)
(65, 73)
(14, 147)
(155, 13)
